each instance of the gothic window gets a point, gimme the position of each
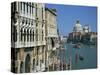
(21, 34)
(24, 35)
(30, 35)
(42, 35)
(23, 21)
(27, 7)
(36, 35)
(30, 9)
(36, 10)
(21, 6)
(26, 21)
(15, 34)
(33, 35)
(29, 21)
(32, 22)
(37, 54)
(24, 7)
(27, 34)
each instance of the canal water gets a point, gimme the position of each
(87, 54)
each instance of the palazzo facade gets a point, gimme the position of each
(33, 34)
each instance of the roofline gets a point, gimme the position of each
(51, 11)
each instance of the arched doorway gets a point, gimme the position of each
(27, 64)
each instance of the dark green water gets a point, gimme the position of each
(89, 54)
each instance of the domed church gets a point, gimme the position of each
(77, 27)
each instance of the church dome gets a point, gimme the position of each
(77, 27)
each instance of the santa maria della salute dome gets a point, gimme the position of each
(77, 27)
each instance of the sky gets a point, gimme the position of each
(68, 14)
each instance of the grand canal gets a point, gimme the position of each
(88, 54)
(81, 58)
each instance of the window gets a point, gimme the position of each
(36, 22)
(30, 9)
(36, 35)
(37, 54)
(42, 17)
(23, 20)
(36, 10)
(42, 54)
(27, 7)
(26, 21)
(21, 34)
(21, 6)
(24, 7)
(42, 35)
(24, 35)
(15, 34)
(42, 12)
(33, 35)
(31, 22)
(28, 35)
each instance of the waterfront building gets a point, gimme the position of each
(51, 37)
(89, 38)
(63, 39)
(82, 34)
(74, 37)
(86, 29)
(28, 42)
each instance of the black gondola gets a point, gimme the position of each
(81, 58)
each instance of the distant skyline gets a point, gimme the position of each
(68, 14)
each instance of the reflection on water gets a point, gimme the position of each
(82, 58)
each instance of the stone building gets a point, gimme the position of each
(28, 42)
(74, 37)
(51, 35)
(82, 34)
(89, 38)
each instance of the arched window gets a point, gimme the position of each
(15, 34)
(42, 35)
(21, 34)
(24, 35)
(30, 34)
(33, 35)
(23, 21)
(36, 35)
(27, 34)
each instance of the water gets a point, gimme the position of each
(89, 54)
